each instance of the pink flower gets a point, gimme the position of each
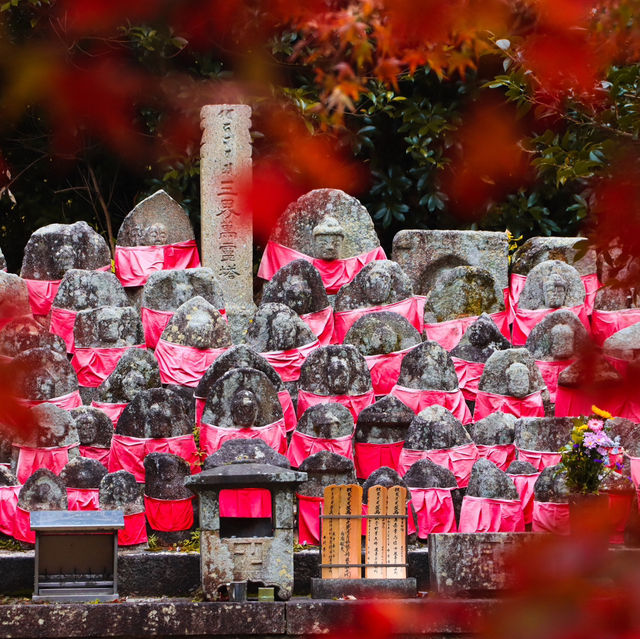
(595, 425)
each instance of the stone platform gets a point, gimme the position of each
(296, 618)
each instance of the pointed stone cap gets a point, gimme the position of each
(160, 211)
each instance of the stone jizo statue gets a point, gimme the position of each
(328, 237)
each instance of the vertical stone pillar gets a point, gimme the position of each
(227, 231)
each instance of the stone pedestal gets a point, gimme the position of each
(227, 230)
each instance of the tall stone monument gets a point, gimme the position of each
(227, 230)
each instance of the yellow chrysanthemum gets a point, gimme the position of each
(601, 413)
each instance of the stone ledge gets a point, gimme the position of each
(419, 617)
(183, 618)
(163, 618)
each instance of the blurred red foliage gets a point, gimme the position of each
(488, 160)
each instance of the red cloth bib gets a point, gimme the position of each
(169, 515)
(184, 365)
(576, 402)
(385, 370)
(434, 511)
(550, 371)
(289, 412)
(245, 502)
(619, 511)
(32, 459)
(500, 454)
(288, 363)
(449, 333)
(605, 323)
(370, 457)
(412, 309)
(112, 410)
(487, 403)
(334, 273)
(8, 505)
(302, 446)
(591, 286)
(459, 460)
(128, 453)
(212, 437)
(525, 320)
(524, 485)
(154, 322)
(539, 459)
(62, 322)
(516, 284)
(321, 324)
(634, 463)
(417, 400)
(469, 374)
(68, 402)
(134, 264)
(309, 511)
(355, 403)
(43, 292)
(83, 498)
(550, 517)
(134, 531)
(94, 365)
(99, 454)
(22, 526)
(480, 514)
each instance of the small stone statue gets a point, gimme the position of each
(276, 327)
(382, 332)
(335, 370)
(299, 286)
(136, 371)
(379, 283)
(481, 339)
(326, 421)
(552, 284)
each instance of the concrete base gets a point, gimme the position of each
(363, 588)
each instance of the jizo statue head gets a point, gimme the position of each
(554, 289)
(338, 374)
(562, 341)
(297, 295)
(327, 239)
(155, 235)
(284, 331)
(377, 285)
(108, 326)
(244, 409)
(518, 380)
(384, 340)
(325, 424)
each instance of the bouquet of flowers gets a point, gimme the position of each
(586, 457)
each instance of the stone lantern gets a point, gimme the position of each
(262, 559)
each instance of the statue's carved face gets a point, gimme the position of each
(325, 424)
(66, 257)
(200, 327)
(108, 327)
(518, 380)
(155, 235)
(562, 342)
(86, 427)
(244, 409)
(554, 289)
(377, 286)
(384, 340)
(46, 384)
(478, 336)
(297, 295)
(284, 331)
(132, 383)
(326, 246)
(338, 376)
